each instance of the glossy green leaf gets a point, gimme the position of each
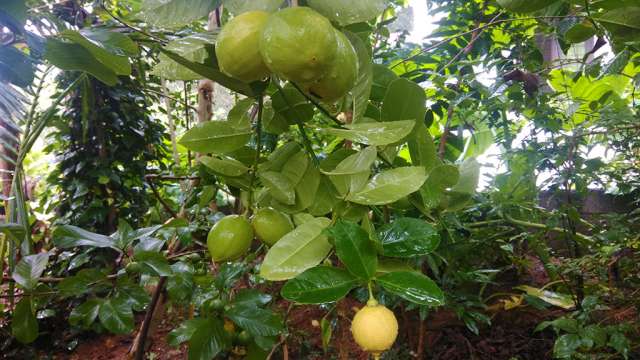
(86, 313)
(580, 32)
(209, 70)
(626, 17)
(175, 13)
(354, 249)
(185, 331)
(442, 177)
(404, 100)
(28, 271)
(24, 326)
(71, 56)
(299, 250)
(352, 173)
(362, 89)
(566, 346)
(469, 177)
(133, 294)
(319, 285)
(154, 263)
(116, 316)
(295, 168)
(422, 148)
(289, 104)
(67, 236)
(349, 12)
(279, 187)
(390, 186)
(192, 48)
(181, 285)
(408, 237)
(208, 338)
(80, 283)
(251, 298)
(356, 163)
(382, 78)
(375, 133)
(237, 7)
(256, 321)
(325, 198)
(224, 166)
(216, 137)
(412, 286)
(110, 48)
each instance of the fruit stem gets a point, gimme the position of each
(376, 356)
(324, 111)
(372, 300)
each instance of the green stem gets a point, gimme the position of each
(318, 105)
(544, 227)
(305, 138)
(256, 161)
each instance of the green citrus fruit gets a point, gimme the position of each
(298, 44)
(230, 238)
(237, 47)
(374, 328)
(341, 76)
(217, 304)
(270, 225)
(133, 268)
(244, 338)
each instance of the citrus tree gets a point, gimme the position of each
(347, 166)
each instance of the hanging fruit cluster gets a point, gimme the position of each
(296, 44)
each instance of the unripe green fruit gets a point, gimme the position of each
(244, 338)
(298, 44)
(230, 238)
(237, 47)
(133, 268)
(341, 76)
(270, 225)
(217, 304)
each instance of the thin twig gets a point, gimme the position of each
(445, 135)
(162, 201)
(318, 106)
(474, 37)
(254, 171)
(451, 38)
(170, 97)
(146, 323)
(123, 23)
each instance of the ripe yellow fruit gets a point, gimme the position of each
(299, 44)
(374, 328)
(230, 238)
(237, 47)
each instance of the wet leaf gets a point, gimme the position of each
(354, 249)
(412, 286)
(319, 285)
(390, 186)
(224, 166)
(299, 250)
(216, 137)
(408, 237)
(375, 133)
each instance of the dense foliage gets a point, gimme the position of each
(491, 169)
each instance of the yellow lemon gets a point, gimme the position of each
(374, 328)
